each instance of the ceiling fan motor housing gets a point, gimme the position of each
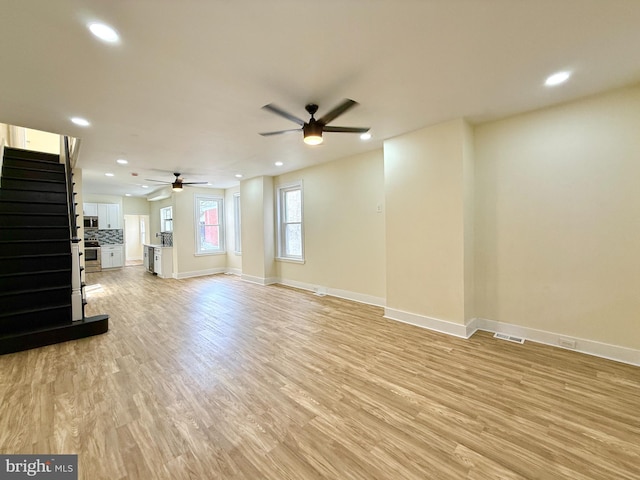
(312, 108)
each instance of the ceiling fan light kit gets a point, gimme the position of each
(312, 133)
(313, 129)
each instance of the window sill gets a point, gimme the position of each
(206, 254)
(290, 260)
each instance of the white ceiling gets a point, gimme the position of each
(183, 89)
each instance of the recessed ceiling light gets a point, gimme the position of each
(278, 164)
(557, 78)
(238, 175)
(80, 121)
(144, 186)
(127, 194)
(365, 136)
(104, 32)
(122, 161)
(108, 174)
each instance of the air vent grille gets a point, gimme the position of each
(509, 338)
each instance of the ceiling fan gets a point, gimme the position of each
(177, 184)
(313, 129)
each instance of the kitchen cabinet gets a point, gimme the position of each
(111, 256)
(90, 209)
(109, 216)
(163, 261)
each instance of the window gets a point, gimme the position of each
(237, 224)
(166, 219)
(290, 232)
(209, 224)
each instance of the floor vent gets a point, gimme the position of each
(509, 338)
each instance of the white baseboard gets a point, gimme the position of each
(436, 324)
(233, 271)
(589, 347)
(335, 292)
(259, 280)
(199, 273)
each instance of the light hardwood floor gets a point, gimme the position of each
(214, 377)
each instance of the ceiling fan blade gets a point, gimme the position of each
(266, 134)
(278, 111)
(194, 183)
(345, 129)
(158, 181)
(339, 110)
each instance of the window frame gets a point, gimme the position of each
(237, 224)
(164, 220)
(281, 191)
(196, 223)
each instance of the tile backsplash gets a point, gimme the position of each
(166, 239)
(105, 237)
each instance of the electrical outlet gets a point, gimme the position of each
(567, 342)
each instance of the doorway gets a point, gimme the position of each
(136, 234)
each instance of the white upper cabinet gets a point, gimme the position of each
(90, 209)
(109, 217)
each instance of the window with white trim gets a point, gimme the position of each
(166, 219)
(237, 224)
(290, 234)
(209, 223)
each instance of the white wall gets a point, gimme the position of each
(426, 177)
(135, 206)
(558, 219)
(343, 229)
(40, 141)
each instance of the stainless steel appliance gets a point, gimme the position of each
(148, 258)
(90, 222)
(92, 256)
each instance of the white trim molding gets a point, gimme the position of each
(582, 345)
(259, 280)
(335, 292)
(436, 324)
(200, 273)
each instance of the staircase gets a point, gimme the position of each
(36, 260)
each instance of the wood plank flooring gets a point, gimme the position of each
(216, 378)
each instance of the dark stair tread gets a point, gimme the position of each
(39, 272)
(39, 227)
(34, 255)
(35, 290)
(18, 200)
(46, 167)
(42, 180)
(24, 154)
(36, 214)
(37, 240)
(86, 327)
(24, 311)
